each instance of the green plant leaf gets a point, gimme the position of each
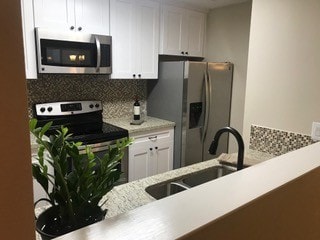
(32, 124)
(42, 178)
(90, 179)
(45, 128)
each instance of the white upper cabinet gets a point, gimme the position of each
(90, 16)
(182, 32)
(54, 14)
(122, 28)
(134, 27)
(28, 39)
(196, 29)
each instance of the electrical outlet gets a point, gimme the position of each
(315, 132)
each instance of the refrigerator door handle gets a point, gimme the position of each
(207, 109)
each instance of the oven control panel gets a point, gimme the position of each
(67, 108)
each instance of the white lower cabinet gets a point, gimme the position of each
(151, 153)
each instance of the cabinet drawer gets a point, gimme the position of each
(154, 136)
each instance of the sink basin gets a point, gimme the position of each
(207, 175)
(168, 188)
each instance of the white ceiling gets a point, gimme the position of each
(206, 4)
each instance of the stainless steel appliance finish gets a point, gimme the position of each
(73, 53)
(67, 108)
(84, 121)
(197, 97)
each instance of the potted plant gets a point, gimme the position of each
(74, 194)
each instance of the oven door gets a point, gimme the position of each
(100, 149)
(73, 52)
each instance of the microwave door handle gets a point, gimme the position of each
(98, 45)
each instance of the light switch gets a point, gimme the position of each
(315, 132)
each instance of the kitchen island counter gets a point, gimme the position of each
(180, 214)
(126, 197)
(131, 195)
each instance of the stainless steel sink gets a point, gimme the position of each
(168, 188)
(207, 175)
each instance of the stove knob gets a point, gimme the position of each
(91, 106)
(97, 105)
(49, 109)
(42, 109)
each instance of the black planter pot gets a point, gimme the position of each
(50, 224)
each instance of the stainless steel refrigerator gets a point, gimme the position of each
(197, 97)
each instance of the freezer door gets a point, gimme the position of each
(220, 77)
(194, 106)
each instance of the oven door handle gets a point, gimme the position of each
(96, 148)
(98, 45)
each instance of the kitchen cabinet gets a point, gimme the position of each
(90, 16)
(134, 27)
(28, 38)
(151, 153)
(182, 32)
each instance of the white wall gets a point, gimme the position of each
(228, 40)
(283, 83)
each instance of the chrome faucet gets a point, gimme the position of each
(236, 134)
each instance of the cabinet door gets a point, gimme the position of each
(122, 29)
(92, 16)
(147, 39)
(164, 161)
(171, 31)
(28, 39)
(57, 14)
(139, 162)
(196, 28)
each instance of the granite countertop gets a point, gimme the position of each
(129, 196)
(150, 123)
(252, 157)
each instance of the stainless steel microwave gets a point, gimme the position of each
(73, 53)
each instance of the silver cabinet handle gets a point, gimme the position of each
(98, 54)
(153, 138)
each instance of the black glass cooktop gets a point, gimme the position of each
(107, 132)
(87, 128)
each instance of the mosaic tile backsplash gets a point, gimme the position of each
(117, 95)
(276, 141)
